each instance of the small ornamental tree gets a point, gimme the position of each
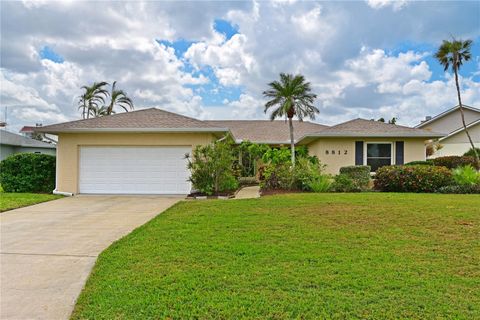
(212, 168)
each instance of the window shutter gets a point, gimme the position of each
(358, 153)
(399, 146)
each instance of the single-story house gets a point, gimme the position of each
(14, 143)
(144, 151)
(455, 142)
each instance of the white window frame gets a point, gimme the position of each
(392, 150)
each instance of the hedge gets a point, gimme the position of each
(452, 162)
(359, 174)
(419, 178)
(28, 172)
(419, 162)
(470, 152)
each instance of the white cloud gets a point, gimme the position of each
(322, 41)
(395, 4)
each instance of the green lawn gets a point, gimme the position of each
(10, 201)
(304, 256)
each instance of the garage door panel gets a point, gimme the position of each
(141, 170)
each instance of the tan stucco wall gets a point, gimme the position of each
(414, 149)
(69, 144)
(452, 121)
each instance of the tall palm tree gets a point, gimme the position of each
(454, 53)
(119, 98)
(291, 96)
(92, 99)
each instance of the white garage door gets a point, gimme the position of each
(134, 170)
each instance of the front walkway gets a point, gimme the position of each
(248, 193)
(48, 250)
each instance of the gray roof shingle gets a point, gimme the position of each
(265, 131)
(141, 120)
(370, 128)
(13, 139)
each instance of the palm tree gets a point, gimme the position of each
(92, 99)
(454, 53)
(291, 96)
(119, 98)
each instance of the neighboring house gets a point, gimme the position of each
(14, 143)
(144, 151)
(29, 131)
(455, 142)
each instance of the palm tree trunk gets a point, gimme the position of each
(463, 116)
(292, 140)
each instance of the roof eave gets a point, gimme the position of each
(132, 130)
(371, 135)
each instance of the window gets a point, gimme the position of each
(379, 155)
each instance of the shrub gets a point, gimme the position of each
(422, 163)
(418, 178)
(452, 162)
(276, 176)
(212, 168)
(459, 189)
(471, 153)
(344, 183)
(466, 175)
(320, 184)
(247, 181)
(305, 176)
(28, 172)
(359, 174)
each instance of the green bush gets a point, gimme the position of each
(344, 183)
(305, 176)
(461, 189)
(452, 162)
(320, 184)
(466, 175)
(470, 152)
(418, 178)
(28, 172)
(277, 177)
(247, 181)
(423, 163)
(212, 168)
(359, 174)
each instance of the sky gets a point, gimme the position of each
(213, 60)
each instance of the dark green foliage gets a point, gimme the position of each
(461, 189)
(306, 176)
(344, 183)
(359, 174)
(248, 154)
(418, 178)
(416, 163)
(471, 153)
(28, 172)
(212, 168)
(247, 181)
(452, 162)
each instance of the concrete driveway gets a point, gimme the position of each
(47, 250)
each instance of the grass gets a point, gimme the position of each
(9, 201)
(304, 256)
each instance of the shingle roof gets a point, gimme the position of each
(141, 120)
(13, 139)
(265, 131)
(370, 128)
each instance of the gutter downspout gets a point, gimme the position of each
(61, 193)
